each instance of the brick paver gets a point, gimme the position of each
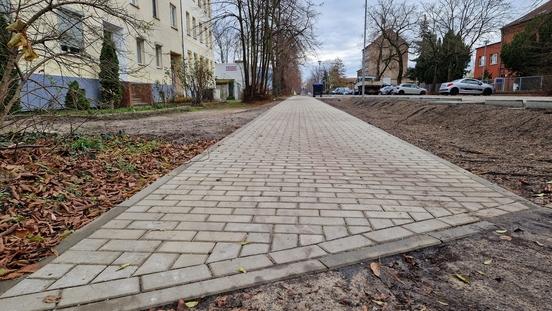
(302, 181)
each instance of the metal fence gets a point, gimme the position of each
(522, 84)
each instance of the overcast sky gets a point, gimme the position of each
(339, 29)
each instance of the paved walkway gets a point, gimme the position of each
(283, 195)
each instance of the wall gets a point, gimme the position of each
(493, 69)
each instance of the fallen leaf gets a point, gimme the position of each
(480, 272)
(379, 303)
(122, 267)
(376, 269)
(501, 231)
(191, 304)
(4, 271)
(539, 243)
(442, 303)
(488, 262)
(540, 195)
(51, 299)
(243, 243)
(506, 238)
(242, 270)
(462, 278)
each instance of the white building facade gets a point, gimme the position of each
(148, 62)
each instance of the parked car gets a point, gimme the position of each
(409, 89)
(387, 90)
(466, 86)
(342, 91)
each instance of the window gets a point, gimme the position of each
(159, 56)
(188, 24)
(194, 25)
(140, 51)
(155, 9)
(71, 31)
(494, 59)
(482, 61)
(134, 2)
(174, 16)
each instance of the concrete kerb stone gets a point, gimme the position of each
(538, 104)
(505, 103)
(87, 230)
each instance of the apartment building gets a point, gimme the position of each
(148, 62)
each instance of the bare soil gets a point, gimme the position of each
(180, 127)
(510, 147)
(507, 146)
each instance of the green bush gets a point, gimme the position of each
(230, 98)
(76, 98)
(111, 88)
(86, 144)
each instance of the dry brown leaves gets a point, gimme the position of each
(48, 193)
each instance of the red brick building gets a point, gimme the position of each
(488, 57)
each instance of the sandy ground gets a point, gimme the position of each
(509, 147)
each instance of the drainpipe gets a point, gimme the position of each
(182, 30)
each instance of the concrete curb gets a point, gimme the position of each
(330, 262)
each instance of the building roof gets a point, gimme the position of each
(543, 9)
(488, 45)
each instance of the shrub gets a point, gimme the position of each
(230, 98)
(76, 98)
(111, 89)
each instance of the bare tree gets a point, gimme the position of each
(226, 41)
(394, 22)
(59, 35)
(469, 19)
(197, 77)
(266, 28)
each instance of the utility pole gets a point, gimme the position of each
(364, 47)
(319, 72)
(485, 58)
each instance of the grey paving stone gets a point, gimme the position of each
(89, 245)
(120, 234)
(87, 257)
(345, 244)
(184, 217)
(388, 234)
(170, 235)
(201, 226)
(254, 249)
(381, 223)
(79, 275)
(213, 236)
(233, 266)
(130, 246)
(114, 273)
(426, 226)
(248, 227)
(157, 263)
(309, 239)
(131, 258)
(28, 286)
(188, 260)
(283, 241)
(297, 254)
(461, 219)
(117, 224)
(99, 291)
(298, 229)
(187, 247)
(490, 212)
(32, 302)
(175, 277)
(335, 232)
(359, 229)
(224, 251)
(258, 238)
(153, 225)
(52, 271)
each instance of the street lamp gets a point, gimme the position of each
(364, 47)
(485, 58)
(319, 75)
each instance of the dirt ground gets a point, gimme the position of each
(180, 128)
(510, 147)
(507, 146)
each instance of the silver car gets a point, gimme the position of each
(409, 89)
(466, 86)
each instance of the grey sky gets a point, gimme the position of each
(339, 29)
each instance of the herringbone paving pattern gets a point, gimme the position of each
(302, 181)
